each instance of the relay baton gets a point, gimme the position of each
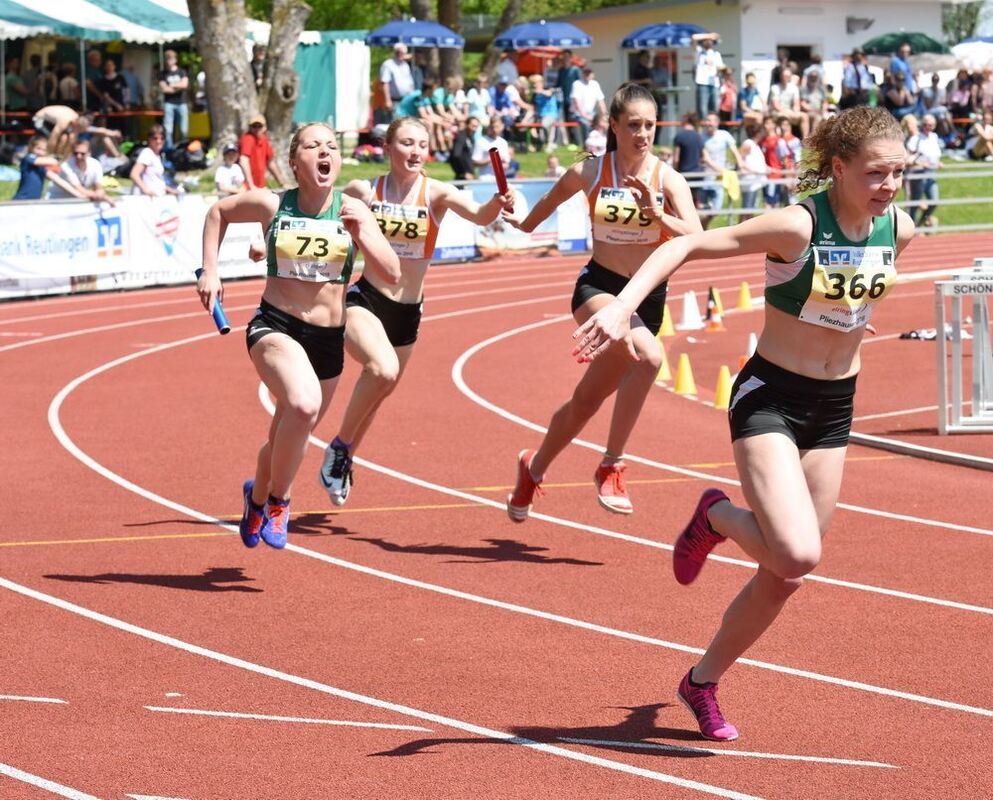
(498, 173)
(220, 318)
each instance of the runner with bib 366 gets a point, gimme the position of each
(829, 260)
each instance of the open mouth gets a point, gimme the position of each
(324, 168)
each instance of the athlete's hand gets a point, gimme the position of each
(515, 219)
(210, 289)
(257, 250)
(506, 201)
(610, 324)
(352, 217)
(641, 191)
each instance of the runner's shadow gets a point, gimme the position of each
(211, 580)
(498, 550)
(636, 733)
(316, 523)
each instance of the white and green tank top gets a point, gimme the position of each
(836, 282)
(317, 249)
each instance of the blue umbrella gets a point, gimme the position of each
(542, 34)
(415, 33)
(665, 34)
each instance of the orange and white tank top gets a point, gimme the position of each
(411, 229)
(614, 212)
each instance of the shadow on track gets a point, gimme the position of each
(210, 580)
(631, 735)
(499, 550)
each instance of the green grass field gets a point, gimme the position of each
(533, 166)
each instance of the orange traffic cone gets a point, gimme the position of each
(713, 318)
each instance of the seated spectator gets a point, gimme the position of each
(784, 101)
(790, 155)
(492, 137)
(813, 100)
(751, 106)
(547, 113)
(960, 95)
(980, 141)
(506, 102)
(815, 65)
(229, 178)
(439, 137)
(553, 169)
(932, 101)
(856, 81)
(897, 98)
(480, 99)
(103, 141)
(924, 157)
(776, 193)
(460, 158)
(34, 170)
(83, 173)
(148, 172)
(513, 165)
(596, 140)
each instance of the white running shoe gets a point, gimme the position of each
(336, 472)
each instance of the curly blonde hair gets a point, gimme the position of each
(842, 136)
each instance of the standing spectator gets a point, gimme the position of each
(753, 180)
(960, 95)
(135, 98)
(728, 99)
(148, 172)
(924, 155)
(708, 62)
(230, 177)
(596, 141)
(17, 92)
(900, 63)
(856, 81)
(91, 78)
(815, 65)
(569, 74)
(782, 61)
(173, 82)
(932, 101)
(69, 92)
(460, 159)
(256, 156)
(420, 70)
(687, 152)
(33, 83)
(258, 65)
(789, 148)
(813, 100)
(493, 137)
(587, 101)
(751, 106)
(775, 189)
(396, 78)
(716, 145)
(784, 100)
(83, 173)
(34, 170)
(50, 79)
(506, 68)
(113, 87)
(641, 71)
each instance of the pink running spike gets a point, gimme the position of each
(697, 540)
(701, 699)
(519, 502)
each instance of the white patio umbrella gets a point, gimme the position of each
(975, 53)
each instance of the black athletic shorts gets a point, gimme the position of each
(595, 279)
(400, 320)
(813, 413)
(325, 347)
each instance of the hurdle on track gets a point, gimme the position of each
(966, 294)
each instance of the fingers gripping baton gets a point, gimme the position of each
(498, 173)
(220, 318)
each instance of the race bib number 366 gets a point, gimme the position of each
(846, 283)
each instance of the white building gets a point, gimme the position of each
(751, 32)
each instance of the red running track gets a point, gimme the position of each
(416, 644)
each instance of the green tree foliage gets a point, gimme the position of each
(959, 22)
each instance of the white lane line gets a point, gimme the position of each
(674, 748)
(457, 377)
(64, 439)
(21, 698)
(884, 414)
(44, 783)
(274, 718)
(407, 711)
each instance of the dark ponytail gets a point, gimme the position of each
(628, 93)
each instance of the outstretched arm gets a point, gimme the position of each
(451, 199)
(784, 234)
(575, 179)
